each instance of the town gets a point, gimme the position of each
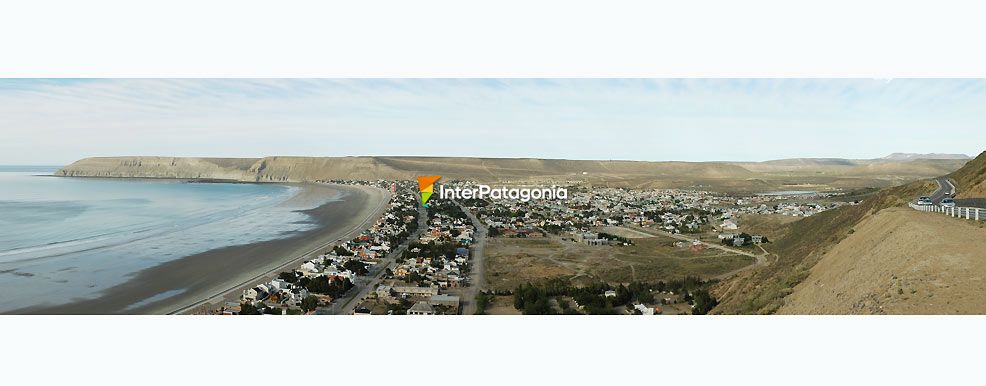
(419, 261)
(418, 271)
(671, 210)
(324, 281)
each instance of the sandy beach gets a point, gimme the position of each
(194, 283)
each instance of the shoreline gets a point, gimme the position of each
(192, 282)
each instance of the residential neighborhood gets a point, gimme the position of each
(432, 273)
(319, 282)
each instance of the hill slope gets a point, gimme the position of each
(905, 167)
(762, 291)
(750, 177)
(899, 261)
(971, 179)
(913, 156)
(813, 240)
(299, 169)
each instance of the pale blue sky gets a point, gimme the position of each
(59, 121)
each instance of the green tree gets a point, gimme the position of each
(358, 267)
(248, 309)
(704, 302)
(309, 303)
(289, 277)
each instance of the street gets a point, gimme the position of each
(364, 284)
(477, 264)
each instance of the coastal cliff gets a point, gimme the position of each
(268, 169)
(747, 176)
(161, 167)
(303, 169)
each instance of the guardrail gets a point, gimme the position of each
(967, 213)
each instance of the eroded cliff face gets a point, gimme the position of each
(162, 167)
(304, 169)
(268, 169)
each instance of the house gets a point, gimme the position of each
(409, 291)
(279, 284)
(729, 225)
(610, 294)
(254, 294)
(421, 308)
(309, 267)
(231, 308)
(644, 310)
(446, 301)
(384, 291)
(585, 236)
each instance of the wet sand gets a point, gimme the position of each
(198, 281)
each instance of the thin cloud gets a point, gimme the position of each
(58, 121)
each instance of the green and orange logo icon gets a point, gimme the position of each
(426, 185)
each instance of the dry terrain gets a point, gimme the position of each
(803, 174)
(899, 261)
(512, 262)
(857, 259)
(971, 179)
(502, 305)
(770, 225)
(801, 245)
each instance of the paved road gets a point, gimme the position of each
(945, 189)
(364, 284)
(476, 262)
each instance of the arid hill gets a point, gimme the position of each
(898, 261)
(813, 174)
(885, 167)
(857, 259)
(301, 169)
(971, 180)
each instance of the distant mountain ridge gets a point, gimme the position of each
(307, 169)
(914, 156)
(732, 176)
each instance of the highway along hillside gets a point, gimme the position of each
(879, 257)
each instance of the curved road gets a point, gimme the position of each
(948, 189)
(945, 189)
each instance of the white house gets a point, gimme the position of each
(644, 310)
(729, 225)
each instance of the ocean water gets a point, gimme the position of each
(71, 238)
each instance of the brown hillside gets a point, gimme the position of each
(971, 178)
(300, 169)
(899, 261)
(820, 237)
(762, 291)
(819, 174)
(161, 167)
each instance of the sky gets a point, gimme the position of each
(57, 121)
